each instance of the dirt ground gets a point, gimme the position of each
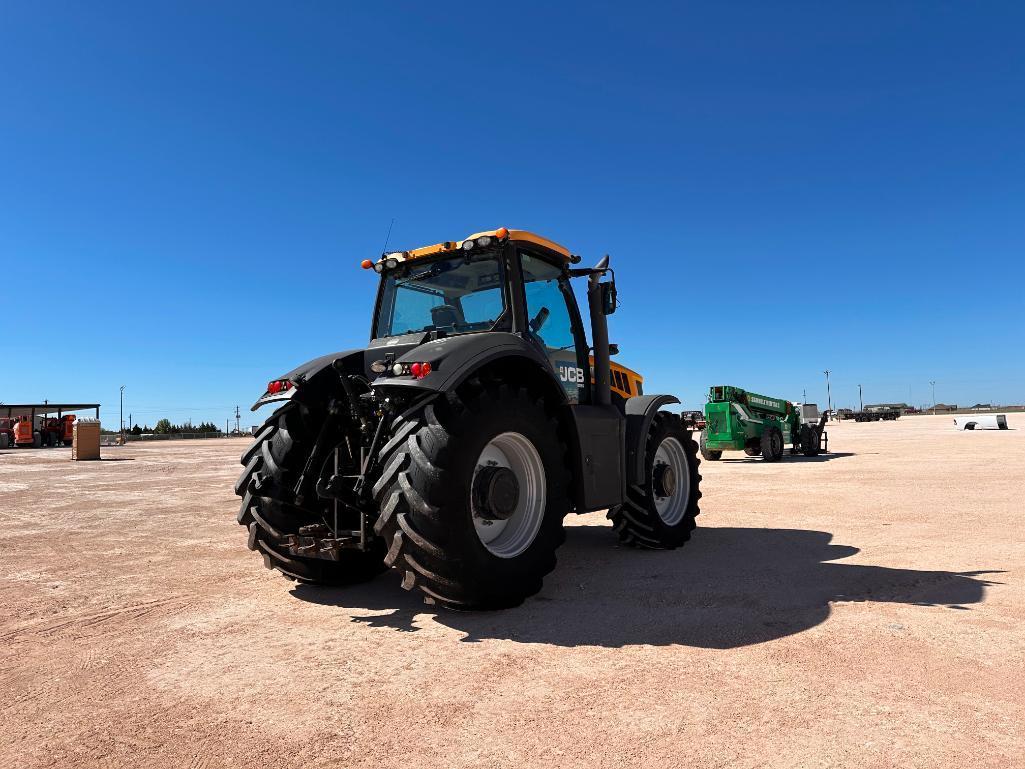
(864, 608)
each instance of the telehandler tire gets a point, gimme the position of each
(706, 453)
(772, 444)
(37, 440)
(4, 441)
(269, 511)
(660, 513)
(473, 494)
(753, 451)
(809, 441)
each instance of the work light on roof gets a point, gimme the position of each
(467, 245)
(484, 240)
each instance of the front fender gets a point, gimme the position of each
(303, 374)
(640, 410)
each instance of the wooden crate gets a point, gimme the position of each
(85, 442)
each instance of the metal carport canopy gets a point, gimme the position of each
(19, 409)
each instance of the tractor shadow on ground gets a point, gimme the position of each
(788, 457)
(729, 587)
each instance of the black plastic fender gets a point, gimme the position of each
(304, 373)
(453, 359)
(640, 410)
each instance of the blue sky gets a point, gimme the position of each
(186, 189)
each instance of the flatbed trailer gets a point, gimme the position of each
(887, 415)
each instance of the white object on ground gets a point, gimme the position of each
(981, 422)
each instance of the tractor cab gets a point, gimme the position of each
(504, 281)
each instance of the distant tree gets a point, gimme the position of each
(136, 430)
(164, 426)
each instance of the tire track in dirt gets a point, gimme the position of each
(98, 620)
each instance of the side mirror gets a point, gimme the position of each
(613, 349)
(608, 297)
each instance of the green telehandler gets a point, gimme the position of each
(738, 420)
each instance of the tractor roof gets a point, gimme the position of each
(520, 235)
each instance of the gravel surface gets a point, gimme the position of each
(863, 608)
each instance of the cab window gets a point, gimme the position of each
(549, 321)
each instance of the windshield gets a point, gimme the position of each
(457, 295)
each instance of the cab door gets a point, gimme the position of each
(553, 322)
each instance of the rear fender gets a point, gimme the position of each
(309, 373)
(640, 410)
(454, 359)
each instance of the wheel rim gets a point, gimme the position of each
(673, 507)
(510, 537)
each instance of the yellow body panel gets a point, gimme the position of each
(624, 381)
(455, 245)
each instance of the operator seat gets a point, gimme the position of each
(444, 316)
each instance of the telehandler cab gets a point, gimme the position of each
(454, 444)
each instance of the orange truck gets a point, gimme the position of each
(67, 429)
(25, 435)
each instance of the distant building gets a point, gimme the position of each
(982, 407)
(944, 407)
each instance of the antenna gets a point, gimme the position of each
(388, 237)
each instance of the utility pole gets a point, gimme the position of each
(829, 395)
(861, 401)
(933, 383)
(805, 394)
(122, 413)
(237, 417)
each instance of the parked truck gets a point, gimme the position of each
(738, 420)
(25, 434)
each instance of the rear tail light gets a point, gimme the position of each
(420, 370)
(416, 370)
(278, 386)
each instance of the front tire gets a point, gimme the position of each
(660, 514)
(269, 509)
(712, 455)
(458, 528)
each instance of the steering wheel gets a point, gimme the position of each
(538, 321)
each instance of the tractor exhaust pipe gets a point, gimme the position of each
(602, 389)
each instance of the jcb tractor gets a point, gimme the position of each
(454, 444)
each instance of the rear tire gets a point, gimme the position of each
(37, 440)
(706, 453)
(772, 444)
(429, 496)
(5, 441)
(753, 451)
(269, 510)
(648, 519)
